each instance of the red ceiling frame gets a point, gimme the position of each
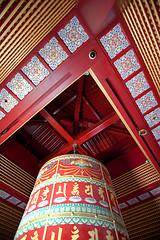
(64, 76)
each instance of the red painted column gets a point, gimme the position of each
(73, 198)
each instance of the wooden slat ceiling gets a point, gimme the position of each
(24, 25)
(143, 221)
(143, 20)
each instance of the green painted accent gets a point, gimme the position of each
(31, 226)
(53, 221)
(34, 214)
(80, 207)
(122, 230)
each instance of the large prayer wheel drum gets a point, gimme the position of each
(73, 198)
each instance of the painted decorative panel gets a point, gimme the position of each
(137, 85)
(22, 205)
(144, 196)
(53, 53)
(155, 191)
(1, 115)
(73, 34)
(3, 194)
(146, 102)
(153, 117)
(7, 102)
(127, 64)
(19, 86)
(13, 200)
(156, 132)
(123, 205)
(114, 41)
(133, 201)
(35, 71)
(72, 194)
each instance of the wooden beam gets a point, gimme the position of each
(57, 126)
(94, 111)
(117, 130)
(64, 104)
(98, 127)
(78, 106)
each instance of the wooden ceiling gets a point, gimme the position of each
(24, 25)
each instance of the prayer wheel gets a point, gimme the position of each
(73, 198)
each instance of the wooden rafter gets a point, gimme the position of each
(81, 138)
(78, 106)
(94, 111)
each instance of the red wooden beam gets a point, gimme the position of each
(91, 108)
(57, 126)
(117, 130)
(64, 105)
(78, 106)
(98, 127)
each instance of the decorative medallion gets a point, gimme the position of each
(155, 191)
(153, 117)
(35, 71)
(7, 102)
(133, 201)
(73, 34)
(3, 194)
(22, 205)
(146, 102)
(1, 115)
(114, 41)
(123, 205)
(19, 86)
(156, 132)
(13, 200)
(137, 85)
(127, 64)
(53, 53)
(144, 196)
